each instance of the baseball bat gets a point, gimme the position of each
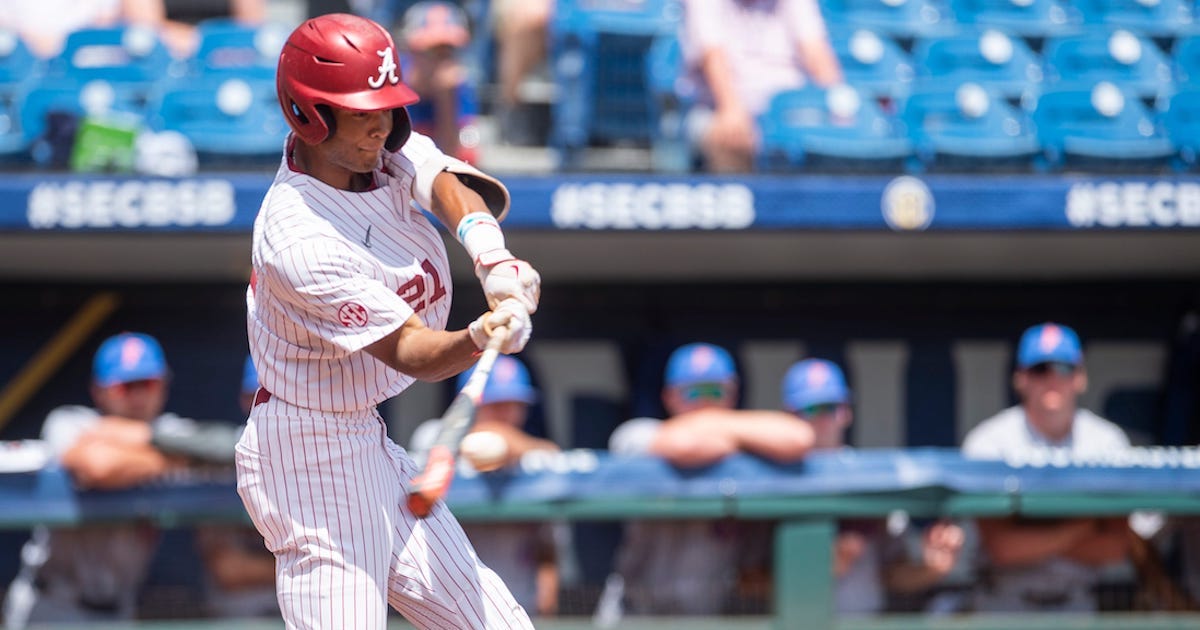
(433, 482)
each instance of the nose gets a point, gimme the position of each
(381, 124)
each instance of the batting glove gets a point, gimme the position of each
(509, 313)
(510, 279)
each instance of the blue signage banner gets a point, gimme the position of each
(229, 202)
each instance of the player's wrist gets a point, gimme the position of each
(480, 235)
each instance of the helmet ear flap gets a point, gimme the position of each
(401, 129)
(326, 114)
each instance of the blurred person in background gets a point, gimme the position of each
(176, 20)
(44, 24)
(869, 560)
(522, 554)
(739, 54)
(93, 572)
(696, 566)
(434, 35)
(522, 30)
(1046, 564)
(240, 578)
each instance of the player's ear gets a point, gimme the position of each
(1080, 380)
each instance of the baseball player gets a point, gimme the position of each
(1046, 565)
(692, 566)
(347, 306)
(93, 573)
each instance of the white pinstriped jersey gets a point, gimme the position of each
(336, 271)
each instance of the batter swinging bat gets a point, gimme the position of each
(441, 459)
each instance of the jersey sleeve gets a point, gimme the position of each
(328, 291)
(980, 444)
(64, 425)
(804, 20)
(701, 30)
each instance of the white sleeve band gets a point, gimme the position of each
(480, 235)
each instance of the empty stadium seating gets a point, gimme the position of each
(836, 125)
(1100, 125)
(965, 125)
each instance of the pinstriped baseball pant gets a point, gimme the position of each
(326, 492)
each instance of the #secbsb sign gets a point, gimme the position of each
(1134, 204)
(652, 206)
(131, 204)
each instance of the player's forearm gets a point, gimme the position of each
(693, 442)
(547, 589)
(910, 577)
(424, 353)
(1101, 548)
(101, 465)
(453, 200)
(774, 435)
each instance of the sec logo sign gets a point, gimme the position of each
(352, 315)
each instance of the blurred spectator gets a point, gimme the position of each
(240, 570)
(522, 554)
(869, 560)
(739, 54)
(434, 34)
(694, 567)
(522, 31)
(1046, 564)
(176, 20)
(92, 573)
(45, 24)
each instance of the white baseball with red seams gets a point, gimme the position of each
(334, 272)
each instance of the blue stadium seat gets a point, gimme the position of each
(231, 47)
(120, 54)
(600, 49)
(76, 97)
(898, 18)
(968, 126)
(1024, 18)
(1185, 57)
(1002, 63)
(1100, 125)
(222, 115)
(1152, 18)
(671, 93)
(838, 124)
(18, 67)
(871, 62)
(1119, 56)
(1181, 117)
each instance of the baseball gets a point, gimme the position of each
(485, 450)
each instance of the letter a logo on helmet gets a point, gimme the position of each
(323, 64)
(387, 70)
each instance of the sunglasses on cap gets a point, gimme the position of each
(1056, 368)
(703, 391)
(813, 411)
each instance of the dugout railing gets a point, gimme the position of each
(807, 499)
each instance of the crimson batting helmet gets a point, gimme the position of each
(346, 61)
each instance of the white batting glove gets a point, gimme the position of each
(510, 279)
(509, 313)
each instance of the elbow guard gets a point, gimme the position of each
(494, 193)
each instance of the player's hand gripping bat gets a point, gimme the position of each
(442, 457)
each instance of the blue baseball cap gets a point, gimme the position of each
(128, 357)
(249, 377)
(814, 382)
(509, 381)
(699, 363)
(1049, 342)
